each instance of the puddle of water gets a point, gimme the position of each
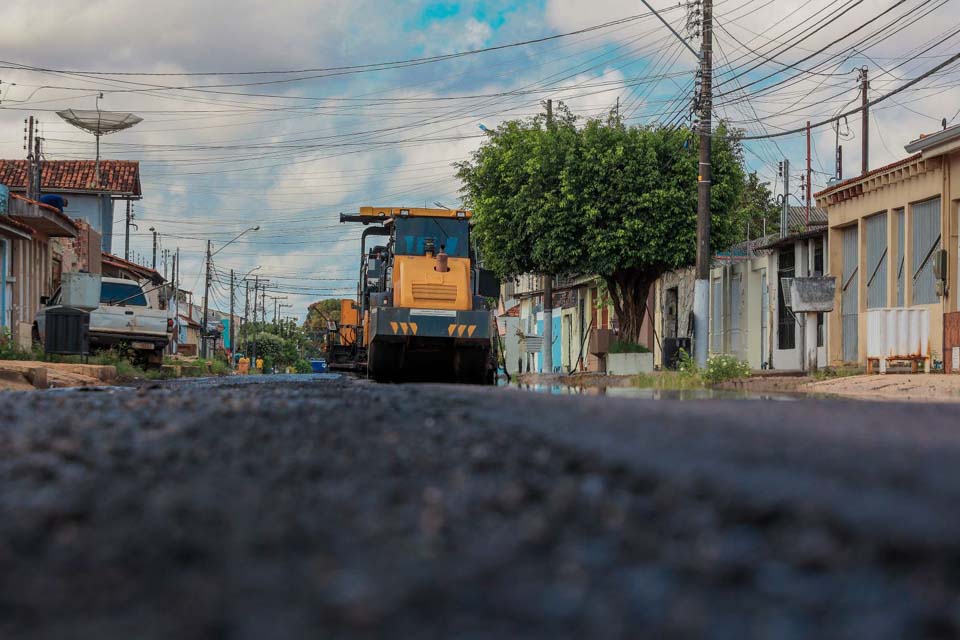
(647, 394)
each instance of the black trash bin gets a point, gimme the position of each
(67, 331)
(671, 351)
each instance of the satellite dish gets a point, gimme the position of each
(99, 123)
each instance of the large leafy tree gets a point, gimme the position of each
(602, 198)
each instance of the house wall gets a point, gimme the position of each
(682, 280)
(741, 319)
(85, 207)
(906, 186)
(30, 278)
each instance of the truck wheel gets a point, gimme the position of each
(470, 366)
(384, 361)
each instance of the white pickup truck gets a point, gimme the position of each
(124, 317)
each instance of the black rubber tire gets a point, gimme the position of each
(384, 361)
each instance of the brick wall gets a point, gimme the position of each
(83, 252)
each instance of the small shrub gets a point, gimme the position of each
(722, 368)
(303, 366)
(219, 368)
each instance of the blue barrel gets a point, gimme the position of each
(319, 365)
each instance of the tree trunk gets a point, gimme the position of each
(628, 292)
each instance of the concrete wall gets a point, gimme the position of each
(902, 186)
(682, 280)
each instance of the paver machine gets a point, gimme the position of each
(422, 297)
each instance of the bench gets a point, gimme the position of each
(881, 364)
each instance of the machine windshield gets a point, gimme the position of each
(449, 233)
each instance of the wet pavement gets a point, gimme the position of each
(305, 507)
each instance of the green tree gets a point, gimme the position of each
(320, 312)
(603, 198)
(757, 206)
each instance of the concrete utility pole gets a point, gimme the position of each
(865, 122)
(126, 241)
(548, 291)
(206, 293)
(28, 145)
(701, 288)
(785, 209)
(233, 345)
(154, 232)
(809, 173)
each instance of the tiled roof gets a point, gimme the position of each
(116, 176)
(146, 272)
(798, 217)
(512, 312)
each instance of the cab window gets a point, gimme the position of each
(447, 233)
(126, 295)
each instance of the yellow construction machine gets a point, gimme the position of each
(422, 297)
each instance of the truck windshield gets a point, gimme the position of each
(449, 233)
(114, 292)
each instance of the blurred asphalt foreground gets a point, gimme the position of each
(333, 508)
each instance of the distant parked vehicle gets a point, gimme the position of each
(125, 318)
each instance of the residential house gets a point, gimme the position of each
(27, 261)
(886, 228)
(579, 309)
(76, 179)
(748, 317)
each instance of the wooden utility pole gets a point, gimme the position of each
(548, 290)
(701, 290)
(865, 121)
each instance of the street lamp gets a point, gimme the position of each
(206, 286)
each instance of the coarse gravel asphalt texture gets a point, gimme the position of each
(322, 507)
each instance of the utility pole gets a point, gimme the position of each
(126, 243)
(809, 174)
(29, 146)
(154, 232)
(548, 290)
(701, 289)
(785, 209)
(256, 289)
(233, 346)
(865, 122)
(37, 167)
(206, 293)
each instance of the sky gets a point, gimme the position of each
(284, 114)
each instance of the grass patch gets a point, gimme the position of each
(689, 376)
(830, 373)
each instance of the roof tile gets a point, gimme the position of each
(116, 176)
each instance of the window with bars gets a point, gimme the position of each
(925, 233)
(901, 254)
(876, 229)
(786, 325)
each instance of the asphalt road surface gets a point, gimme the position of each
(316, 508)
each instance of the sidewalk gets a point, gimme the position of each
(897, 387)
(23, 375)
